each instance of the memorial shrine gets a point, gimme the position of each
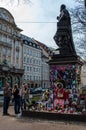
(65, 67)
(63, 100)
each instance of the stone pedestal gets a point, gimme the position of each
(53, 116)
(66, 70)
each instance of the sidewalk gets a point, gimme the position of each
(13, 123)
(10, 111)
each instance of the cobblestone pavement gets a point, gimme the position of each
(13, 123)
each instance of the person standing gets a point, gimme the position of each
(7, 97)
(16, 98)
(25, 96)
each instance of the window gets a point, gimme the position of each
(16, 44)
(34, 69)
(39, 54)
(39, 69)
(36, 54)
(24, 59)
(27, 59)
(9, 52)
(30, 52)
(4, 38)
(39, 63)
(27, 68)
(26, 42)
(34, 61)
(39, 78)
(30, 43)
(24, 50)
(34, 77)
(17, 65)
(15, 32)
(9, 29)
(27, 77)
(27, 51)
(9, 40)
(30, 69)
(31, 60)
(30, 77)
(34, 45)
(4, 51)
(5, 27)
(17, 54)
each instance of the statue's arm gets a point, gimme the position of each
(59, 18)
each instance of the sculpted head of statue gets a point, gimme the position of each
(62, 7)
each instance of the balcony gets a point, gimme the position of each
(5, 44)
(6, 68)
(17, 71)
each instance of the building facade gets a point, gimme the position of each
(31, 62)
(45, 69)
(83, 74)
(11, 62)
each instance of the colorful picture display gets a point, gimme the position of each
(68, 75)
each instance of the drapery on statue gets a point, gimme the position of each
(63, 36)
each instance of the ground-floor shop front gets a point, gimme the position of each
(10, 75)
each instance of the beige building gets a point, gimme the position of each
(11, 64)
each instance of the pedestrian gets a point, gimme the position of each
(25, 96)
(22, 96)
(16, 99)
(7, 97)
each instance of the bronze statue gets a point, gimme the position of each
(63, 36)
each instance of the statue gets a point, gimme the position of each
(63, 36)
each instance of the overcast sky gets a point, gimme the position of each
(38, 18)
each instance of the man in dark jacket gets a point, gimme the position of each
(7, 97)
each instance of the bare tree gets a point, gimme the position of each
(79, 24)
(79, 17)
